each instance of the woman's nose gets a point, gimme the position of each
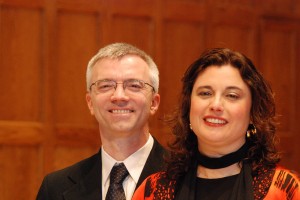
(216, 104)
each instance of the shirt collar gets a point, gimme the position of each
(134, 163)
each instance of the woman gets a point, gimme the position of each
(225, 138)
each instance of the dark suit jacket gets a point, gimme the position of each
(82, 181)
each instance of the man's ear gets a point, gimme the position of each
(155, 103)
(89, 102)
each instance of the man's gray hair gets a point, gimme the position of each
(117, 51)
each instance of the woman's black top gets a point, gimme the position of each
(215, 189)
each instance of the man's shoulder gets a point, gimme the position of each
(56, 183)
(156, 156)
(75, 170)
(158, 148)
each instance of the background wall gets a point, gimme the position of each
(45, 46)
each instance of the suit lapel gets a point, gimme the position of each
(154, 163)
(87, 182)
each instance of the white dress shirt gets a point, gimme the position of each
(134, 164)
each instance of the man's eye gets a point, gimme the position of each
(105, 86)
(134, 85)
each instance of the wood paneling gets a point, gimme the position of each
(19, 132)
(279, 60)
(45, 46)
(182, 36)
(135, 30)
(68, 154)
(21, 60)
(23, 169)
(77, 41)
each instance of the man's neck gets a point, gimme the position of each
(121, 148)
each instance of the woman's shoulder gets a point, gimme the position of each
(285, 184)
(156, 185)
(286, 179)
(287, 172)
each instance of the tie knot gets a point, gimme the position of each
(118, 173)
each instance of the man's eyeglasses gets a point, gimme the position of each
(132, 85)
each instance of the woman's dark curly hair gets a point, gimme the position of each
(263, 143)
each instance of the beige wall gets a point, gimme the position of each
(45, 46)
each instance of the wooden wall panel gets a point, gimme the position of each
(236, 38)
(131, 7)
(187, 10)
(234, 27)
(279, 6)
(18, 132)
(297, 108)
(21, 61)
(77, 42)
(68, 155)
(180, 49)
(279, 66)
(134, 30)
(77, 135)
(45, 46)
(22, 169)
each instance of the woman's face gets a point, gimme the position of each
(220, 110)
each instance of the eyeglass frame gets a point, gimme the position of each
(124, 85)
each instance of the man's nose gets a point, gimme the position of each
(119, 92)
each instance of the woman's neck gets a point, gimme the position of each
(224, 161)
(207, 173)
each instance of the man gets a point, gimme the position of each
(122, 93)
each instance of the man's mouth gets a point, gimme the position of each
(121, 111)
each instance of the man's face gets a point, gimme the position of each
(121, 112)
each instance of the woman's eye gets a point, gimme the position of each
(232, 96)
(204, 93)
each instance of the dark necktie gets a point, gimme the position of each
(117, 176)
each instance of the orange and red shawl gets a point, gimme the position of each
(268, 184)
